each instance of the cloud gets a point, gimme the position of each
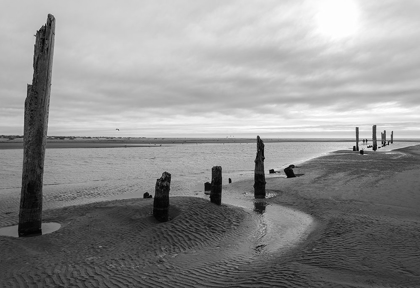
(243, 65)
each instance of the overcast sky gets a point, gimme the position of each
(218, 68)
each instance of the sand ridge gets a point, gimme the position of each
(119, 244)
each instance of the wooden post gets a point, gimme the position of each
(384, 137)
(375, 144)
(259, 176)
(161, 201)
(392, 137)
(216, 185)
(35, 132)
(357, 138)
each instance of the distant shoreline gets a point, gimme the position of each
(16, 142)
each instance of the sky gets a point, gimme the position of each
(218, 68)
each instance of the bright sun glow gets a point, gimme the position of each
(337, 19)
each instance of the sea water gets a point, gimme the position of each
(84, 175)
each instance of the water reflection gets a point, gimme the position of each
(259, 207)
(12, 231)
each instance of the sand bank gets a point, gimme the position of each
(365, 233)
(368, 207)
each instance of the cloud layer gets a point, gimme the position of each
(217, 68)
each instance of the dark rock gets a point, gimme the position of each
(289, 171)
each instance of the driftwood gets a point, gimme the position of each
(35, 131)
(216, 185)
(161, 200)
(259, 176)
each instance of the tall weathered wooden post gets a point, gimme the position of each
(392, 137)
(216, 185)
(375, 144)
(161, 200)
(35, 132)
(357, 138)
(259, 176)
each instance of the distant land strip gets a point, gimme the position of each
(15, 141)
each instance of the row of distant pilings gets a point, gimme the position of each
(162, 188)
(374, 145)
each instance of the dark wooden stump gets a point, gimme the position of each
(207, 186)
(259, 176)
(374, 144)
(216, 185)
(289, 172)
(357, 139)
(35, 132)
(161, 200)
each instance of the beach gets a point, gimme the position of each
(352, 221)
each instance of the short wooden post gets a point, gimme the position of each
(384, 137)
(161, 200)
(357, 138)
(259, 176)
(392, 137)
(216, 185)
(35, 132)
(207, 186)
(375, 144)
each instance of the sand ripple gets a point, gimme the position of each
(119, 244)
(367, 235)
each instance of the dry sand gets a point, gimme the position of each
(365, 233)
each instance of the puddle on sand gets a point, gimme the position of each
(12, 231)
(280, 227)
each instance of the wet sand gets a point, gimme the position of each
(361, 228)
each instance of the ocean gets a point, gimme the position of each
(84, 175)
